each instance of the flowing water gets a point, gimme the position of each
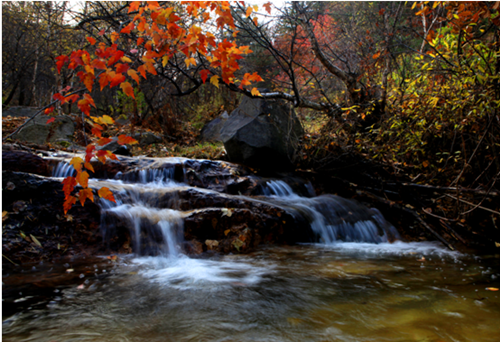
(352, 285)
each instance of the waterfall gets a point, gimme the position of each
(333, 218)
(64, 170)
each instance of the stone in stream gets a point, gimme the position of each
(262, 133)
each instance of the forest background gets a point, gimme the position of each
(410, 88)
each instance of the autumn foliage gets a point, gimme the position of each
(163, 33)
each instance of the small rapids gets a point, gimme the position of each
(354, 280)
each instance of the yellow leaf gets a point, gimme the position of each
(83, 179)
(215, 80)
(164, 60)
(77, 163)
(255, 92)
(227, 231)
(107, 119)
(125, 59)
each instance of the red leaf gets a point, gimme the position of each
(119, 78)
(69, 184)
(49, 110)
(89, 153)
(121, 68)
(128, 28)
(60, 62)
(267, 6)
(51, 120)
(123, 140)
(204, 75)
(58, 96)
(91, 40)
(68, 203)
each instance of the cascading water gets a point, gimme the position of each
(334, 218)
(309, 292)
(63, 169)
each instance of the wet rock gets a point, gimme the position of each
(24, 162)
(262, 133)
(35, 208)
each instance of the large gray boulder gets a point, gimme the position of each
(211, 130)
(262, 133)
(39, 132)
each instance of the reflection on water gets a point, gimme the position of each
(345, 292)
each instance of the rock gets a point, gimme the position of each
(39, 132)
(262, 133)
(147, 138)
(18, 111)
(24, 162)
(116, 148)
(211, 130)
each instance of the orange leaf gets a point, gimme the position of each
(84, 194)
(77, 163)
(425, 163)
(492, 289)
(123, 140)
(48, 110)
(114, 36)
(377, 55)
(249, 11)
(134, 6)
(89, 166)
(105, 193)
(83, 178)
(132, 73)
(142, 70)
(91, 40)
(68, 203)
(255, 92)
(69, 184)
(128, 89)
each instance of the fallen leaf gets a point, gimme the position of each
(227, 231)
(69, 270)
(35, 240)
(226, 212)
(5, 215)
(492, 289)
(80, 287)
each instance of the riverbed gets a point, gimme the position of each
(310, 292)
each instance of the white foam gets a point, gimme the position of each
(185, 273)
(397, 248)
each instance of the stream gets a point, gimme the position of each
(351, 284)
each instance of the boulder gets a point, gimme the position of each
(147, 138)
(19, 111)
(262, 133)
(211, 130)
(39, 132)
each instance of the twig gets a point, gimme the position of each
(474, 205)
(411, 212)
(9, 260)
